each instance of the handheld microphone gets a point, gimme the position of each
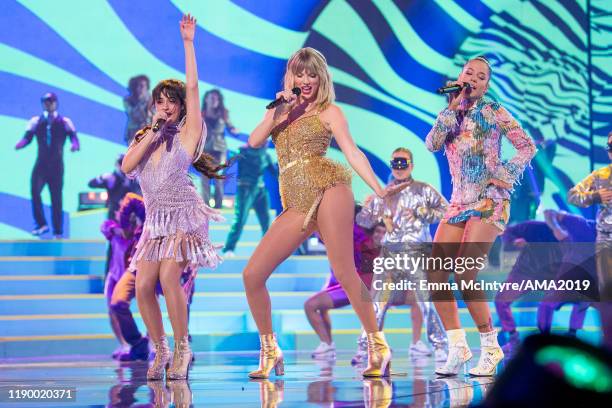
(296, 91)
(158, 124)
(453, 88)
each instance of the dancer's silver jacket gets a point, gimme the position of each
(427, 207)
(420, 199)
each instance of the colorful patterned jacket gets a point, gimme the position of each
(472, 143)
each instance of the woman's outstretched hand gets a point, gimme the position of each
(188, 24)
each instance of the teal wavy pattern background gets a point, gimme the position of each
(551, 61)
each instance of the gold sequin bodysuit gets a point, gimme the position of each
(304, 171)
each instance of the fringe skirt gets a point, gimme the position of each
(179, 234)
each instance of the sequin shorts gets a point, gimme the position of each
(496, 212)
(303, 182)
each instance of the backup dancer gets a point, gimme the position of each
(51, 131)
(596, 189)
(407, 215)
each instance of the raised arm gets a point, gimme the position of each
(106, 180)
(358, 161)
(552, 217)
(193, 118)
(260, 134)
(136, 152)
(258, 137)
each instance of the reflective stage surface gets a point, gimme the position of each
(220, 379)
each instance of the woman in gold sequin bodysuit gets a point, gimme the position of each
(316, 195)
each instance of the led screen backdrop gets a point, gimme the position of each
(551, 69)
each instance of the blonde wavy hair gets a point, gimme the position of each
(312, 61)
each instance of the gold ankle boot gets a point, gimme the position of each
(377, 393)
(379, 356)
(181, 360)
(270, 357)
(271, 394)
(161, 396)
(160, 363)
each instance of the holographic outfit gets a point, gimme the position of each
(176, 226)
(421, 199)
(586, 194)
(406, 237)
(305, 172)
(472, 143)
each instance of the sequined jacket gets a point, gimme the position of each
(420, 199)
(472, 144)
(586, 193)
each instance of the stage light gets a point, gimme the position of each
(92, 199)
(578, 368)
(551, 371)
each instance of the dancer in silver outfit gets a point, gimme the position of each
(407, 215)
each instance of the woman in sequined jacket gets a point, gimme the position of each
(316, 195)
(470, 130)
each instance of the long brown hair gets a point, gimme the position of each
(204, 162)
(206, 165)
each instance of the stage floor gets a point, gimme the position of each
(220, 379)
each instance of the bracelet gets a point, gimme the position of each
(141, 133)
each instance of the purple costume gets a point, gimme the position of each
(544, 258)
(119, 246)
(176, 226)
(472, 143)
(364, 252)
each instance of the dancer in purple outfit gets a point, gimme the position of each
(175, 233)
(549, 250)
(121, 234)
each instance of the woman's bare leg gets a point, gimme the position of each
(335, 223)
(170, 278)
(147, 276)
(478, 238)
(316, 309)
(279, 242)
(446, 244)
